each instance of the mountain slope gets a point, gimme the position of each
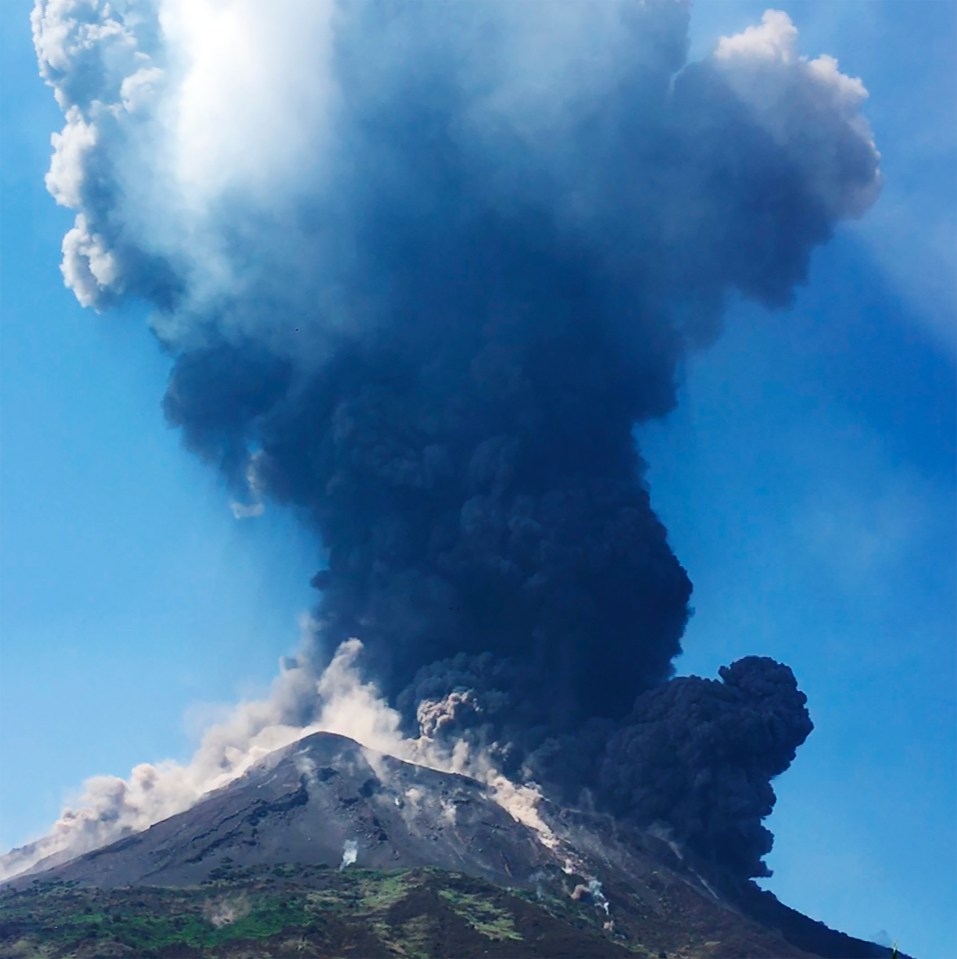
(326, 803)
(305, 802)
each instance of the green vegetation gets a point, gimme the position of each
(493, 922)
(61, 918)
(279, 911)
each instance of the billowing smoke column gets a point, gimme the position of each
(700, 754)
(421, 268)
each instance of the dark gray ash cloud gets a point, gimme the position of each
(700, 754)
(421, 268)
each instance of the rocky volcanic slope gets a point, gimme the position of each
(302, 804)
(430, 865)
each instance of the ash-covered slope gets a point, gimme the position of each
(315, 802)
(326, 801)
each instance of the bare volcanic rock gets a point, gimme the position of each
(314, 802)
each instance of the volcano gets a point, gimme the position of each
(319, 816)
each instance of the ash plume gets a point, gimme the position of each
(421, 268)
(699, 755)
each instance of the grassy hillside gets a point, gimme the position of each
(297, 912)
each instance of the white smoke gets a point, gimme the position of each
(224, 912)
(784, 89)
(350, 852)
(253, 505)
(306, 768)
(108, 807)
(338, 701)
(355, 709)
(594, 887)
(592, 891)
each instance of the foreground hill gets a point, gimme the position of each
(295, 911)
(322, 912)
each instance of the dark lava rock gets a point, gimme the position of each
(304, 803)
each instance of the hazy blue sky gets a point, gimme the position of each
(821, 439)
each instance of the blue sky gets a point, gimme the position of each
(807, 480)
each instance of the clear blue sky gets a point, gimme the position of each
(807, 479)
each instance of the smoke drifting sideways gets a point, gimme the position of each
(421, 268)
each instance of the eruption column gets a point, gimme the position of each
(421, 268)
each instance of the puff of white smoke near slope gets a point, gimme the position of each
(109, 807)
(350, 852)
(355, 709)
(593, 892)
(224, 912)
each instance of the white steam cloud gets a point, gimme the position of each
(224, 912)
(763, 67)
(350, 852)
(339, 701)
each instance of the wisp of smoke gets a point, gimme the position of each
(421, 268)
(340, 701)
(350, 852)
(224, 912)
